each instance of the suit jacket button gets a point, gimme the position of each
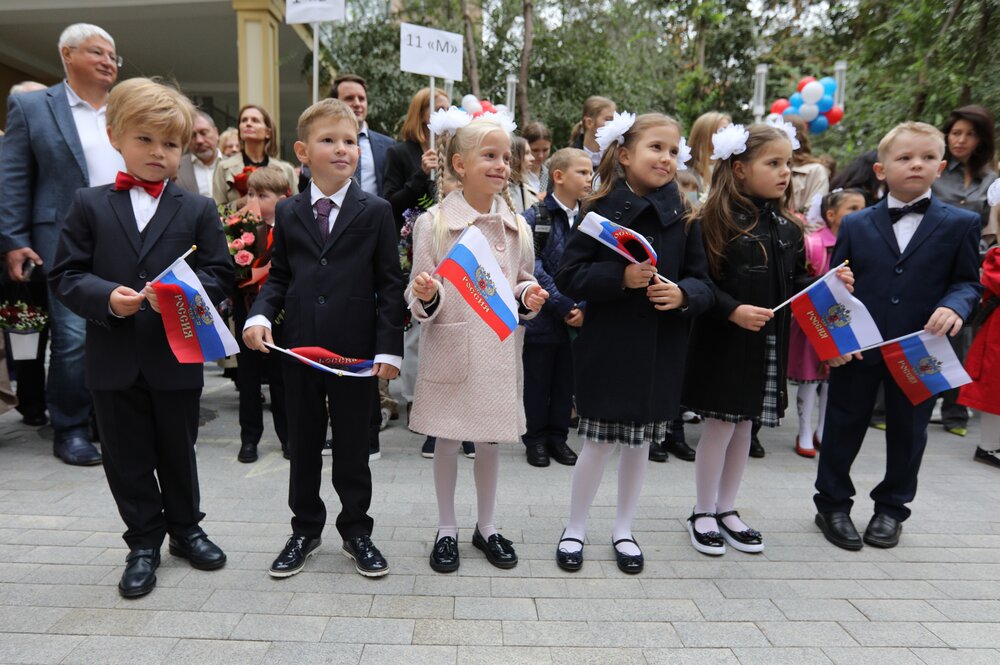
(894, 300)
(628, 205)
(322, 262)
(143, 307)
(618, 215)
(321, 300)
(899, 270)
(142, 275)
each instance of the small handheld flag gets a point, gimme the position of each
(328, 361)
(620, 239)
(195, 330)
(473, 270)
(923, 365)
(834, 321)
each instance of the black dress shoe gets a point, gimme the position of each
(284, 451)
(444, 555)
(657, 453)
(367, 559)
(498, 550)
(991, 457)
(561, 453)
(538, 454)
(756, 450)
(76, 450)
(679, 449)
(293, 557)
(34, 420)
(709, 542)
(248, 453)
(883, 531)
(749, 540)
(201, 552)
(839, 530)
(628, 563)
(571, 561)
(139, 577)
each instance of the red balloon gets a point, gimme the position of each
(487, 108)
(834, 115)
(780, 105)
(807, 80)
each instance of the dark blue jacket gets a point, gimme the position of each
(549, 327)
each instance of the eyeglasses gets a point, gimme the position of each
(101, 54)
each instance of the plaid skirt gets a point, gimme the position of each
(628, 434)
(769, 406)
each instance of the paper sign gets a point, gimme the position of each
(313, 11)
(430, 52)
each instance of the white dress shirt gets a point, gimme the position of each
(143, 206)
(571, 213)
(103, 161)
(315, 194)
(366, 163)
(204, 174)
(907, 225)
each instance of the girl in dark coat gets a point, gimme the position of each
(628, 358)
(736, 371)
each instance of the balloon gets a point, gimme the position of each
(825, 103)
(470, 103)
(829, 84)
(780, 105)
(791, 110)
(795, 100)
(487, 106)
(812, 92)
(803, 82)
(808, 111)
(834, 115)
(819, 125)
(502, 109)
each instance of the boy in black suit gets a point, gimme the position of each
(335, 273)
(116, 238)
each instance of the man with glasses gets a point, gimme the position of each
(56, 143)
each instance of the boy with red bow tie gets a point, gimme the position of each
(114, 240)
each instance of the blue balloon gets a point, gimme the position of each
(819, 125)
(791, 110)
(795, 100)
(825, 103)
(829, 84)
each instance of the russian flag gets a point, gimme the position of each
(473, 270)
(328, 361)
(924, 365)
(618, 238)
(195, 330)
(834, 321)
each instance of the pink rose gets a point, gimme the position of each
(247, 238)
(243, 258)
(237, 244)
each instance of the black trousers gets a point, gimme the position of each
(307, 392)
(147, 441)
(252, 367)
(848, 413)
(548, 392)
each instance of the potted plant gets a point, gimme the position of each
(23, 325)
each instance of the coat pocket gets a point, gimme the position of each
(444, 352)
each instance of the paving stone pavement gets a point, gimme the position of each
(934, 600)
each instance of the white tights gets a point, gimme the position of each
(805, 402)
(989, 423)
(719, 463)
(485, 470)
(587, 476)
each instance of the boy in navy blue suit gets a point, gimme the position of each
(335, 273)
(915, 261)
(116, 238)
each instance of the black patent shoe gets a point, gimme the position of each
(444, 555)
(248, 453)
(561, 453)
(710, 542)
(537, 454)
(679, 449)
(368, 561)
(628, 563)
(139, 577)
(498, 550)
(883, 531)
(991, 457)
(293, 558)
(200, 552)
(839, 530)
(569, 561)
(657, 453)
(756, 450)
(749, 540)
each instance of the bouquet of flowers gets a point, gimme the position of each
(241, 229)
(406, 233)
(23, 317)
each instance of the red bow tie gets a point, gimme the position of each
(126, 181)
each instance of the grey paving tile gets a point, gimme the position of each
(302, 653)
(113, 650)
(891, 634)
(279, 628)
(738, 609)
(330, 604)
(720, 634)
(782, 656)
(958, 656)
(82, 621)
(872, 656)
(381, 654)
(30, 619)
(589, 634)
(897, 610)
(217, 652)
(251, 602)
(480, 655)
(369, 631)
(495, 608)
(966, 635)
(208, 625)
(806, 634)
(415, 607)
(686, 656)
(454, 631)
(818, 609)
(968, 610)
(616, 609)
(21, 649)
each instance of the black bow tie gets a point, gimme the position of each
(920, 207)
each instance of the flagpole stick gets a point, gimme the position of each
(888, 341)
(775, 309)
(433, 107)
(181, 258)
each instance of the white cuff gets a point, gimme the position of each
(259, 320)
(388, 359)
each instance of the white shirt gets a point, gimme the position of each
(315, 194)
(103, 161)
(907, 225)
(571, 213)
(204, 174)
(595, 157)
(143, 206)
(366, 163)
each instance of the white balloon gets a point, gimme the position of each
(808, 112)
(813, 92)
(502, 109)
(468, 100)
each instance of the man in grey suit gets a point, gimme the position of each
(197, 168)
(56, 143)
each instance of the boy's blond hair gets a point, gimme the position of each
(269, 179)
(919, 128)
(563, 159)
(324, 108)
(142, 102)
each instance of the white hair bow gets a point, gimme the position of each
(448, 121)
(614, 130)
(729, 141)
(503, 119)
(788, 128)
(683, 155)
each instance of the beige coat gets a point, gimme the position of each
(226, 170)
(808, 180)
(469, 383)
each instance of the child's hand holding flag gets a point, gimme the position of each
(535, 297)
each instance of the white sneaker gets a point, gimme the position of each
(385, 419)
